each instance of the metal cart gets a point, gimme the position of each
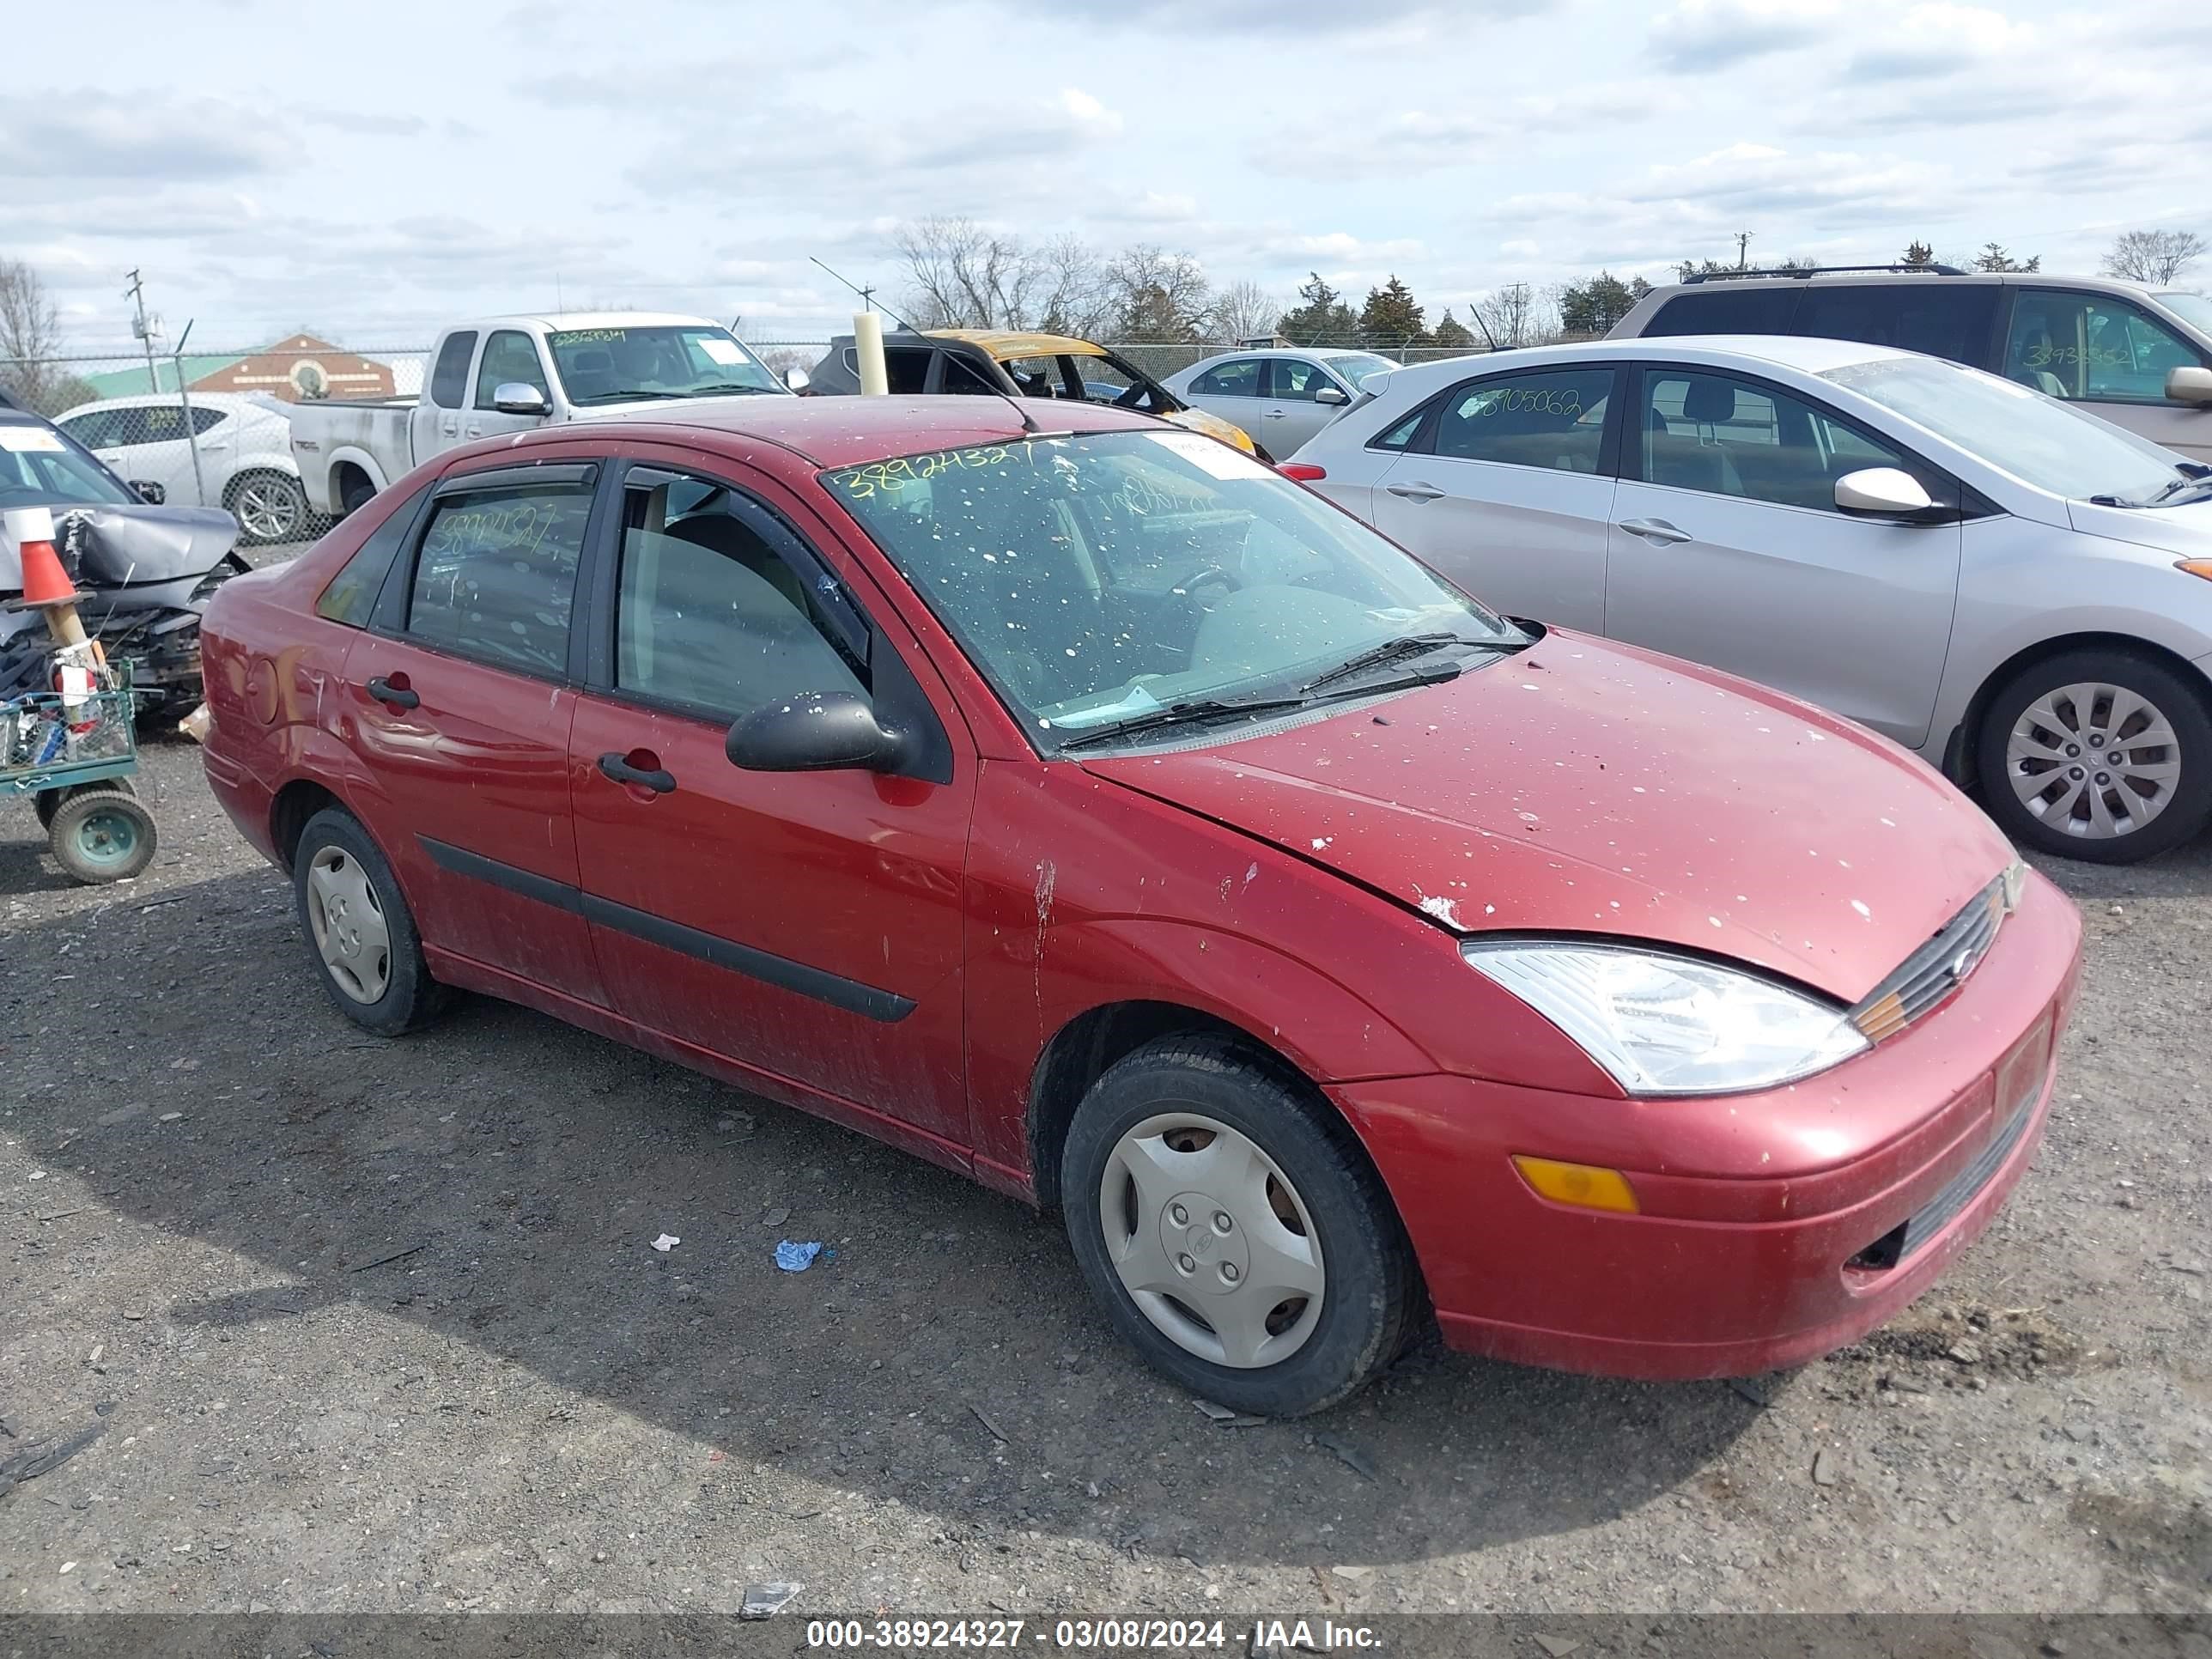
(75, 757)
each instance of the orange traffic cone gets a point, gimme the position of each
(45, 584)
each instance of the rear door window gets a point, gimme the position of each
(449, 380)
(1554, 420)
(1934, 314)
(1725, 308)
(496, 578)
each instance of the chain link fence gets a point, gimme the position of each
(206, 425)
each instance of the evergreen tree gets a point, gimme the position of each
(1320, 318)
(1588, 309)
(1917, 253)
(1391, 320)
(1450, 333)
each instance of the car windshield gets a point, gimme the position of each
(41, 468)
(1105, 578)
(2193, 308)
(609, 365)
(2038, 440)
(1357, 366)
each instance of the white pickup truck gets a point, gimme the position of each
(508, 374)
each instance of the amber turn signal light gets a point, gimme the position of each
(2195, 567)
(1585, 1186)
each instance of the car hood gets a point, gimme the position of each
(2185, 530)
(1197, 420)
(1583, 786)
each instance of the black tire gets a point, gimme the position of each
(2183, 704)
(47, 802)
(409, 999)
(354, 492)
(1372, 1297)
(99, 836)
(288, 517)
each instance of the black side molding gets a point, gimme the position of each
(543, 889)
(849, 994)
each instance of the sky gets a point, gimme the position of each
(375, 171)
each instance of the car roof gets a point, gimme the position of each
(833, 432)
(561, 321)
(1808, 356)
(1004, 344)
(1865, 278)
(169, 399)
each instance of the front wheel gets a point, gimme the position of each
(1234, 1231)
(2097, 754)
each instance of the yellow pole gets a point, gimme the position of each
(868, 346)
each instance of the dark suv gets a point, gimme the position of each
(2141, 360)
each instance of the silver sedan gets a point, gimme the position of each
(2016, 590)
(1281, 396)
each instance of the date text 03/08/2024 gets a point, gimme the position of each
(1090, 1635)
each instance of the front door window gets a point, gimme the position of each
(2092, 348)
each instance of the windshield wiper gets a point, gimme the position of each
(1179, 713)
(629, 392)
(1406, 645)
(2180, 486)
(721, 385)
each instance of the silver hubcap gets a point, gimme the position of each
(1212, 1241)
(267, 510)
(349, 925)
(2094, 760)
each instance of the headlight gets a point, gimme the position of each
(1671, 1025)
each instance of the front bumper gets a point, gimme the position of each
(1773, 1227)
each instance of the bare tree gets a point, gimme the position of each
(30, 338)
(1073, 295)
(1243, 310)
(965, 275)
(2157, 257)
(1159, 294)
(1518, 315)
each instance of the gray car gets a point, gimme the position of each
(2141, 357)
(1283, 395)
(2018, 591)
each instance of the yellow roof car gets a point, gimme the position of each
(1060, 366)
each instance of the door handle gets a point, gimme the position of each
(617, 767)
(1415, 490)
(397, 694)
(1656, 531)
(1274, 415)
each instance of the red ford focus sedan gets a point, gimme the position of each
(1099, 813)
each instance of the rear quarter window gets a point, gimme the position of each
(1725, 310)
(351, 596)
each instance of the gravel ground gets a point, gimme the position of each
(203, 1170)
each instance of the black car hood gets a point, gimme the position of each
(116, 546)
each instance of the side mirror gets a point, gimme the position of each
(1329, 394)
(1882, 492)
(513, 398)
(2190, 386)
(820, 731)
(149, 492)
(797, 379)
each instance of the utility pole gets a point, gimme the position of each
(1742, 243)
(144, 330)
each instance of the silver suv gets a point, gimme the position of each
(2141, 359)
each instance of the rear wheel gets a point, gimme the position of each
(269, 507)
(100, 836)
(1233, 1230)
(354, 491)
(359, 930)
(2097, 754)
